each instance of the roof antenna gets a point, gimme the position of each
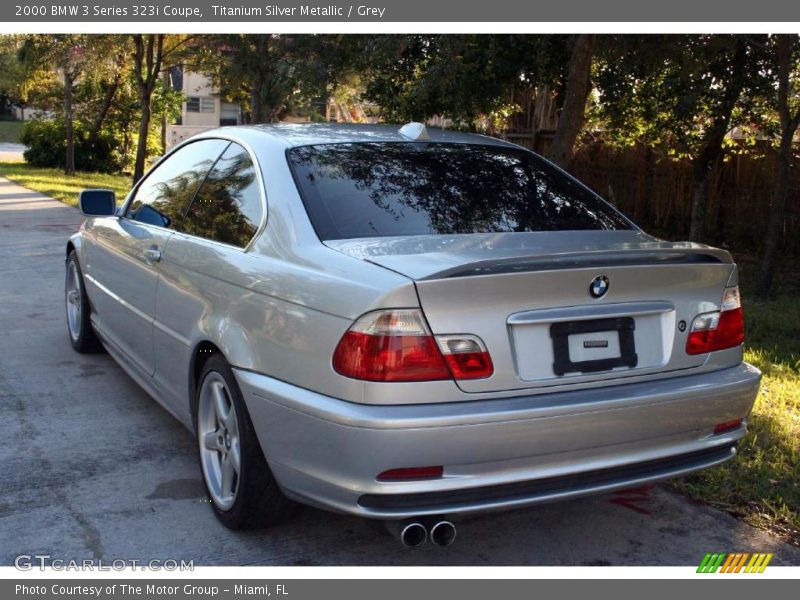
(415, 131)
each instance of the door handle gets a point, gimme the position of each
(152, 255)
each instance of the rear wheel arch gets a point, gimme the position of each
(203, 351)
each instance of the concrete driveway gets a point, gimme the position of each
(91, 467)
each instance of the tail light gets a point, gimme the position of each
(466, 356)
(396, 345)
(720, 329)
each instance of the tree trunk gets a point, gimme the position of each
(776, 215)
(711, 149)
(256, 110)
(105, 106)
(786, 45)
(573, 114)
(165, 79)
(69, 119)
(700, 171)
(148, 55)
(257, 113)
(648, 219)
(141, 146)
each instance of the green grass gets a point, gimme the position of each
(10, 131)
(762, 484)
(55, 183)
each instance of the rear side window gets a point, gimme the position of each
(165, 193)
(417, 188)
(227, 207)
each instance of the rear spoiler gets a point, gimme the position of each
(581, 260)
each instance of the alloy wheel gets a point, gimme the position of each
(73, 300)
(218, 436)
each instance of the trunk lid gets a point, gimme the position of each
(527, 296)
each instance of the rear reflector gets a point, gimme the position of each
(396, 345)
(720, 329)
(727, 426)
(411, 473)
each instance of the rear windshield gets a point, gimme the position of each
(419, 188)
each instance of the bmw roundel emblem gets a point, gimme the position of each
(599, 286)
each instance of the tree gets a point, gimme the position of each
(12, 73)
(466, 78)
(74, 59)
(151, 54)
(148, 53)
(474, 79)
(785, 49)
(577, 88)
(67, 55)
(683, 93)
(272, 74)
(108, 82)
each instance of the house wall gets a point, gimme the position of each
(195, 84)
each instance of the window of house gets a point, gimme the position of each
(228, 114)
(202, 104)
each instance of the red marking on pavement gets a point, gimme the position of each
(629, 498)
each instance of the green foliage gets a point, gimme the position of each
(462, 77)
(669, 91)
(45, 147)
(21, 82)
(105, 103)
(272, 75)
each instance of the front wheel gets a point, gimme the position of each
(79, 326)
(240, 485)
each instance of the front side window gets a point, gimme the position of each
(227, 208)
(356, 190)
(164, 195)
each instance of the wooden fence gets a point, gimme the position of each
(656, 192)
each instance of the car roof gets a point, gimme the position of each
(306, 134)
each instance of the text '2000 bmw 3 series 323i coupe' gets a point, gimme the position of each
(407, 325)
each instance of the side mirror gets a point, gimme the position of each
(97, 203)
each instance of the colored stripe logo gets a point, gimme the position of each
(737, 562)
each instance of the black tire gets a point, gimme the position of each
(259, 500)
(84, 340)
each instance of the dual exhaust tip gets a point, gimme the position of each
(413, 533)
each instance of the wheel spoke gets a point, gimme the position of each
(234, 456)
(226, 486)
(230, 421)
(220, 403)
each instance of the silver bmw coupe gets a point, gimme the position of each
(407, 325)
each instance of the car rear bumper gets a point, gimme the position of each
(497, 454)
